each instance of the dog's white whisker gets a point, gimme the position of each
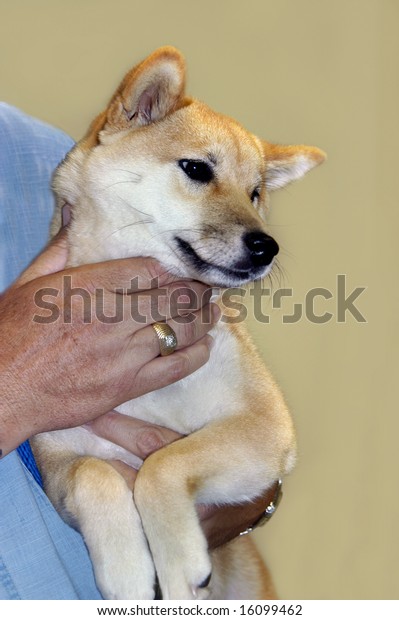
(131, 206)
(106, 187)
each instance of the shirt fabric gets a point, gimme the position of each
(41, 557)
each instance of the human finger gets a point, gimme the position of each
(128, 473)
(138, 437)
(163, 371)
(187, 330)
(128, 274)
(52, 259)
(179, 299)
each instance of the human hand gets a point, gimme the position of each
(62, 373)
(219, 523)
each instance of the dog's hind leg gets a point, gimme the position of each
(239, 573)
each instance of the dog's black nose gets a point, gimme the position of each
(262, 248)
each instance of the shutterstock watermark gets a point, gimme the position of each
(343, 305)
(156, 303)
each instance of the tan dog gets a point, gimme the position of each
(201, 181)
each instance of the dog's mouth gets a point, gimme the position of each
(254, 263)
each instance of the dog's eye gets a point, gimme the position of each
(197, 170)
(255, 194)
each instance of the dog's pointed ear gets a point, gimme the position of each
(149, 92)
(285, 164)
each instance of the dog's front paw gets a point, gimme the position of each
(123, 577)
(122, 562)
(187, 575)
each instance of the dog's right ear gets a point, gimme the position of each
(149, 92)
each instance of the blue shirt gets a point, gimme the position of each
(40, 556)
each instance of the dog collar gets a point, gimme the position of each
(274, 496)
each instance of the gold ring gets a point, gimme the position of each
(167, 338)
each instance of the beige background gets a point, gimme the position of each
(311, 71)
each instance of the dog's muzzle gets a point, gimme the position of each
(245, 258)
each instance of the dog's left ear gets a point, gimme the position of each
(149, 92)
(285, 164)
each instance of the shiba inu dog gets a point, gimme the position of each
(195, 185)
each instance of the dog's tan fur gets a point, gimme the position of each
(240, 436)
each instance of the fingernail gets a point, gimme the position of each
(207, 296)
(65, 215)
(215, 294)
(210, 341)
(216, 312)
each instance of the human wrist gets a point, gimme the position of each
(11, 433)
(14, 429)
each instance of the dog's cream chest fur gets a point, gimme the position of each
(213, 391)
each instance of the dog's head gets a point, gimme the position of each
(160, 174)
